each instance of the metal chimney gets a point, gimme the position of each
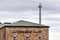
(40, 6)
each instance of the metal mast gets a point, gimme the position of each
(40, 6)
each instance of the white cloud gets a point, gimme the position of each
(14, 10)
(54, 33)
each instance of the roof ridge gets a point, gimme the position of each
(26, 21)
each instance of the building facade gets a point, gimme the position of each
(24, 30)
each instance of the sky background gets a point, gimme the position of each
(15, 10)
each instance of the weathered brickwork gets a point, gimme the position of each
(2, 34)
(21, 34)
(8, 32)
(45, 34)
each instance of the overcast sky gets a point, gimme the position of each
(15, 10)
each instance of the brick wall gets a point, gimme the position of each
(2, 34)
(21, 34)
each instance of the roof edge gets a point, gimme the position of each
(28, 26)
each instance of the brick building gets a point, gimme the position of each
(23, 30)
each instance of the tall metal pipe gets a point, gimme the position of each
(40, 6)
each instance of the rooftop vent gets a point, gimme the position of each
(7, 23)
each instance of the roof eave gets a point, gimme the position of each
(30, 26)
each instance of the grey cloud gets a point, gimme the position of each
(32, 15)
(52, 6)
(52, 19)
(17, 5)
(19, 9)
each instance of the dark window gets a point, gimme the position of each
(27, 33)
(40, 35)
(14, 36)
(27, 36)
(40, 38)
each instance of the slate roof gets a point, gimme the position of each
(26, 23)
(22, 23)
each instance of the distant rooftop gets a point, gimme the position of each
(22, 23)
